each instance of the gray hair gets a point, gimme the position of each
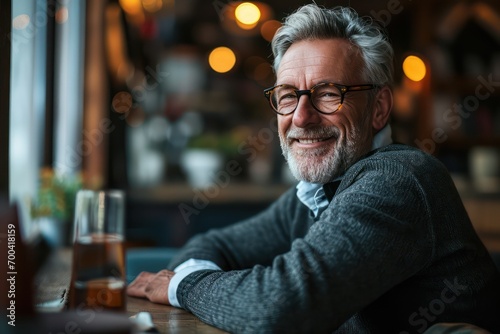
(313, 22)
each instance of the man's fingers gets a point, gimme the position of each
(152, 286)
(137, 290)
(138, 286)
(144, 276)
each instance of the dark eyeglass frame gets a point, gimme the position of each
(344, 89)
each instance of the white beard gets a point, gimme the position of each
(324, 164)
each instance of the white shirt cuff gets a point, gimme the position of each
(182, 271)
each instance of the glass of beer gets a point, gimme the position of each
(98, 269)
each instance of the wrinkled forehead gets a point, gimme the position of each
(331, 57)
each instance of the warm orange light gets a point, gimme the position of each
(222, 59)
(247, 13)
(122, 102)
(131, 7)
(246, 26)
(62, 15)
(414, 68)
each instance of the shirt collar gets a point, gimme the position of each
(313, 196)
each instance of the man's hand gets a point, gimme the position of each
(151, 286)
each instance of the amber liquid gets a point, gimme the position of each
(98, 278)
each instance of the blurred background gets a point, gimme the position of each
(164, 100)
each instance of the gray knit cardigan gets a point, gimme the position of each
(394, 252)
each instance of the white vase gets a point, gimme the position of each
(201, 166)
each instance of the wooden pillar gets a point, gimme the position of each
(96, 122)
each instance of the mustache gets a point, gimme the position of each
(313, 132)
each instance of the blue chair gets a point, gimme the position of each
(147, 259)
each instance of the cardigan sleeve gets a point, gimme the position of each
(374, 234)
(257, 240)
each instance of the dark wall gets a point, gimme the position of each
(163, 225)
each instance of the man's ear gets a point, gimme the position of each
(382, 107)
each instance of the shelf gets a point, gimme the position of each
(484, 216)
(233, 193)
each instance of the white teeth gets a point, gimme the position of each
(309, 141)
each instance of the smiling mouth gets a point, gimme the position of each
(312, 140)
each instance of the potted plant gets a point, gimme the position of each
(54, 206)
(205, 155)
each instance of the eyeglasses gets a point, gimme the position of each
(325, 97)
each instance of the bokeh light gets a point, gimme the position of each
(268, 29)
(62, 15)
(21, 21)
(122, 102)
(222, 59)
(131, 7)
(152, 6)
(247, 13)
(414, 68)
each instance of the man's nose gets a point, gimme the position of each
(305, 114)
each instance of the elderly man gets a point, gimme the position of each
(373, 239)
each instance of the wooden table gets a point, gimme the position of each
(169, 319)
(52, 283)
